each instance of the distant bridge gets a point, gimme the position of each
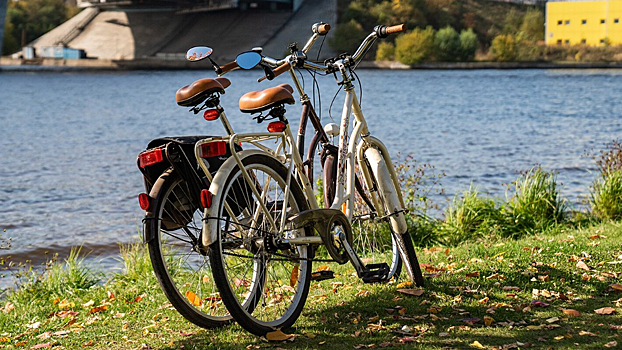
(189, 6)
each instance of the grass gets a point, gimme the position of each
(130, 310)
(606, 196)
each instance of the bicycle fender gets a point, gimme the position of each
(211, 215)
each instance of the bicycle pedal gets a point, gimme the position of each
(322, 275)
(375, 273)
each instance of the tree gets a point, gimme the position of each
(468, 45)
(447, 43)
(504, 48)
(414, 47)
(385, 52)
(533, 25)
(348, 37)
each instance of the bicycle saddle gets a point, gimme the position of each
(257, 101)
(197, 92)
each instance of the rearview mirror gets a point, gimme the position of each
(198, 53)
(248, 60)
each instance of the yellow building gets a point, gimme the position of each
(574, 22)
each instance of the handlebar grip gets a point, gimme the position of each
(277, 71)
(323, 29)
(396, 29)
(229, 67)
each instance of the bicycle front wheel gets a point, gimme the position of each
(174, 227)
(394, 214)
(264, 284)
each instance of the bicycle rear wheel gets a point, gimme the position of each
(249, 266)
(174, 226)
(393, 209)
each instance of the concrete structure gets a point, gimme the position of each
(596, 22)
(165, 34)
(3, 5)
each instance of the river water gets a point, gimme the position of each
(68, 172)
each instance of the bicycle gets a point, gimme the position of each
(262, 214)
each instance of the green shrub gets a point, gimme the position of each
(504, 48)
(447, 44)
(385, 51)
(610, 159)
(414, 47)
(606, 196)
(348, 36)
(468, 45)
(470, 216)
(536, 204)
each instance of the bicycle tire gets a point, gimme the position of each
(232, 254)
(392, 205)
(169, 224)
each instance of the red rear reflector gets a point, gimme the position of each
(150, 157)
(211, 114)
(206, 199)
(143, 200)
(276, 127)
(213, 149)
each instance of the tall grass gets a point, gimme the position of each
(536, 204)
(606, 196)
(470, 216)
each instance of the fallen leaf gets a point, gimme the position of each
(110, 296)
(539, 303)
(552, 320)
(470, 321)
(407, 340)
(8, 307)
(413, 292)
(363, 293)
(278, 336)
(488, 320)
(611, 344)
(404, 284)
(512, 288)
(443, 334)
(478, 345)
(571, 312)
(42, 346)
(616, 287)
(98, 309)
(605, 311)
(583, 266)
(435, 309)
(89, 343)
(65, 304)
(587, 333)
(472, 274)
(34, 325)
(293, 278)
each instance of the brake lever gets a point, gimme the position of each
(217, 68)
(268, 72)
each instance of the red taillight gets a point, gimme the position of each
(150, 157)
(276, 127)
(211, 114)
(206, 199)
(143, 200)
(213, 149)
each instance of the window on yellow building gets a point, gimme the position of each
(567, 42)
(617, 20)
(559, 23)
(567, 22)
(583, 41)
(559, 42)
(602, 41)
(584, 21)
(602, 21)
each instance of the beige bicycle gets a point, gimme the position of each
(262, 224)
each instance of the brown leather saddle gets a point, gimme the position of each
(197, 92)
(258, 101)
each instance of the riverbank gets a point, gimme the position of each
(555, 289)
(43, 64)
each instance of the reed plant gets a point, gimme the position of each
(536, 204)
(470, 216)
(606, 196)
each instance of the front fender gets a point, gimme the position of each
(211, 215)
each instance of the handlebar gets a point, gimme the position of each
(278, 71)
(228, 67)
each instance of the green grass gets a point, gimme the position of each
(607, 196)
(349, 314)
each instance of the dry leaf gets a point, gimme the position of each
(488, 320)
(478, 345)
(8, 307)
(193, 298)
(539, 303)
(583, 266)
(611, 344)
(42, 346)
(111, 296)
(323, 268)
(616, 287)
(472, 274)
(89, 343)
(587, 333)
(605, 311)
(404, 284)
(293, 278)
(571, 312)
(98, 309)
(552, 320)
(512, 288)
(363, 293)
(413, 292)
(278, 336)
